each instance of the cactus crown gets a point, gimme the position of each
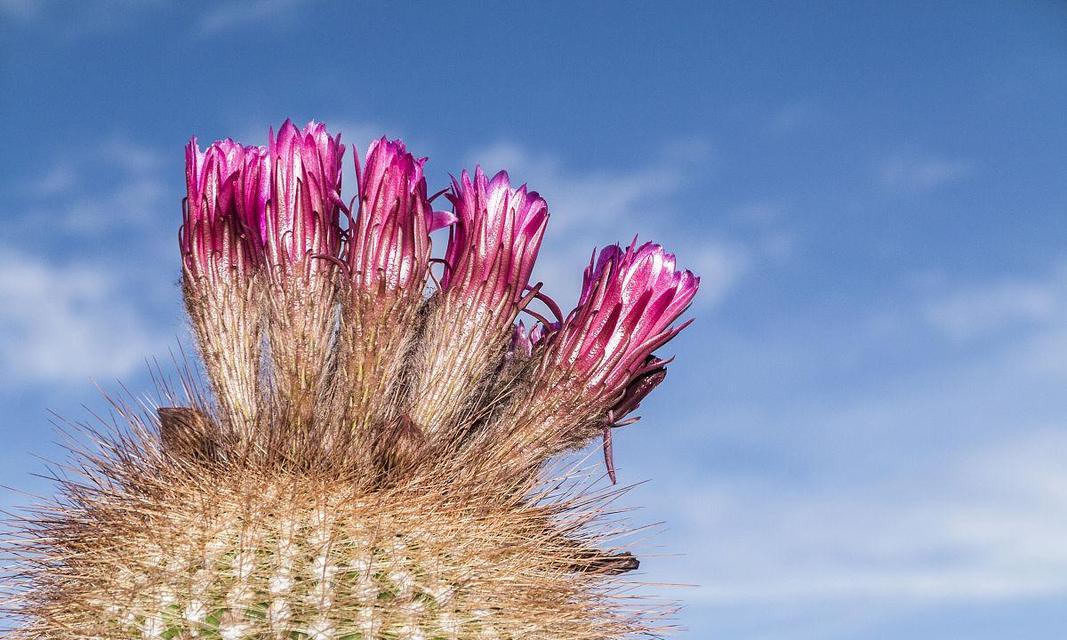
(370, 460)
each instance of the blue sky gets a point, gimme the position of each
(865, 431)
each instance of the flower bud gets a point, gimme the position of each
(598, 366)
(226, 194)
(301, 233)
(390, 245)
(302, 221)
(387, 258)
(629, 300)
(494, 243)
(491, 252)
(221, 250)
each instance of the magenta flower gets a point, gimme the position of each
(302, 222)
(524, 342)
(491, 252)
(226, 188)
(643, 382)
(494, 243)
(629, 300)
(647, 378)
(389, 248)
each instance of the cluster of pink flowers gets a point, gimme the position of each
(279, 210)
(276, 207)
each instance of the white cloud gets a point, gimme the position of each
(67, 322)
(760, 213)
(767, 219)
(58, 180)
(982, 309)
(720, 267)
(969, 314)
(919, 172)
(583, 199)
(136, 200)
(134, 191)
(791, 117)
(228, 15)
(74, 20)
(21, 10)
(939, 483)
(131, 156)
(986, 524)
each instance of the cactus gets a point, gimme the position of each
(371, 461)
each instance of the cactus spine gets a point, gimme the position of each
(353, 473)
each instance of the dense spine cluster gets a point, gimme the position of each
(371, 460)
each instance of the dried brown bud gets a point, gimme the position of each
(186, 433)
(400, 445)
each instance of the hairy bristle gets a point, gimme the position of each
(370, 462)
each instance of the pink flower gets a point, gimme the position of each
(523, 343)
(643, 382)
(629, 300)
(226, 190)
(493, 245)
(491, 252)
(648, 377)
(390, 244)
(302, 220)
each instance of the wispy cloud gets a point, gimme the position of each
(65, 320)
(58, 180)
(130, 156)
(581, 198)
(761, 213)
(138, 201)
(75, 20)
(982, 309)
(20, 10)
(721, 266)
(133, 190)
(941, 483)
(791, 117)
(922, 172)
(985, 524)
(68, 322)
(766, 221)
(229, 15)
